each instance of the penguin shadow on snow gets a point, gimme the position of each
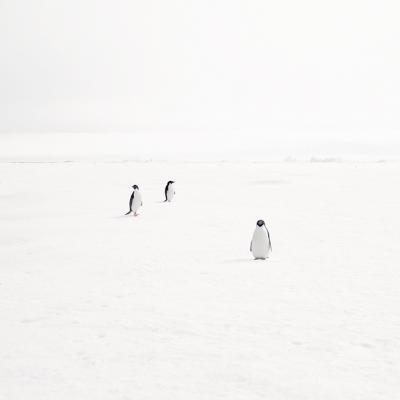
(244, 260)
(237, 260)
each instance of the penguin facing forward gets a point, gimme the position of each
(260, 244)
(135, 201)
(169, 191)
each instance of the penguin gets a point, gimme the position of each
(135, 201)
(169, 191)
(260, 244)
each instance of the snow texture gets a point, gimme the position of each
(171, 304)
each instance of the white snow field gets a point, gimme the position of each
(170, 305)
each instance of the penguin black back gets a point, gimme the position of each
(135, 187)
(166, 189)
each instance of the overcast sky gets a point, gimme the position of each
(306, 67)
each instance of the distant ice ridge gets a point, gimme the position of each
(143, 147)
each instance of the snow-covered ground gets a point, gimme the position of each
(170, 305)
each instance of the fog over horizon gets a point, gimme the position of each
(276, 78)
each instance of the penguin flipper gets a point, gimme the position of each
(251, 245)
(270, 244)
(130, 203)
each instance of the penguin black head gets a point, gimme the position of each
(260, 223)
(170, 182)
(135, 187)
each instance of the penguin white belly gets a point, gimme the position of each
(170, 192)
(137, 202)
(260, 246)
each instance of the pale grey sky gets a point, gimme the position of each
(306, 67)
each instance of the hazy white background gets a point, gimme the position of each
(170, 305)
(296, 77)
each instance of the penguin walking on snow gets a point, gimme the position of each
(261, 242)
(135, 201)
(169, 191)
